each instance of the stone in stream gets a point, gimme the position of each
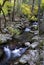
(35, 23)
(34, 44)
(35, 38)
(24, 37)
(5, 37)
(42, 54)
(42, 62)
(31, 63)
(24, 59)
(27, 44)
(31, 56)
(36, 32)
(27, 30)
(34, 26)
(16, 63)
(5, 30)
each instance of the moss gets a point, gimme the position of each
(13, 31)
(41, 45)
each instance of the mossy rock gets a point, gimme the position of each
(41, 45)
(13, 31)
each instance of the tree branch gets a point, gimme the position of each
(4, 2)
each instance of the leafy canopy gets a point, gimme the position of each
(7, 6)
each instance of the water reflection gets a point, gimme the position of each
(14, 53)
(27, 29)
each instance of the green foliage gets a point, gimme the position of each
(33, 18)
(35, 11)
(26, 10)
(1, 2)
(42, 5)
(13, 31)
(7, 6)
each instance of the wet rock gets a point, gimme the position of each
(26, 36)
(17, 19)
(27, 44)
(35, 23)
(36, 32)
(27, 30)
(31, 56)
(42, 54)
(42, 62)
(16, 63)
(31, 63)
(24, 59)
(35, 38)
(5, 30)
(34, 55)
(5, 37)
(34, 44)
(17, 25)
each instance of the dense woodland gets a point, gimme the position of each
(21, 32)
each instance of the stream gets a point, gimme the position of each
(23, 49)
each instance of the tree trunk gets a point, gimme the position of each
(0, 23)
(19, 4)
(13, 13)
(33, 5)
(4, 19)
(0, 17)
(39, 8)
(1, 10)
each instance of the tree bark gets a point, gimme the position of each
(13, 13)
(1, 10)
(39, 8)
(4, 19)
(0, 23)
(33, 5)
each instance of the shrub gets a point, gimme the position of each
(13, 31)
(7, 6)
(26, 10)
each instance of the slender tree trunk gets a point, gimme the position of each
(33, 5)
(1, 10)
(18, 6)
(0, 23)
(43, 15)
(13, 11)
(4, 19)
(39, 8)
